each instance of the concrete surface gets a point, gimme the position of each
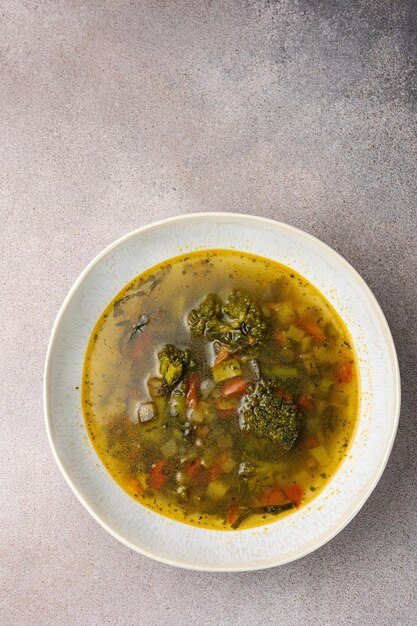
(114, 114)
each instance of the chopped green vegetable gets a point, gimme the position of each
(174, 364)
(283, 371)
(294, 333)
(210, 308)
(266, 415)
(264, 510)
(238, 323)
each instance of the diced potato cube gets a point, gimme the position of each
(294, 333)
(306, 343)
(302, 477)
(321, 455)
(217, 489)
(285, 313)
(309, 361)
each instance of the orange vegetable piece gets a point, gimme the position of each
(215, 472)
(193, 468)
(273, 497)
(311, 327)
(311, 442)
(232, 514)
(304, 402)
(295, 494)
(224, 457)
(236, 386)
(222, 356)
(192, 393)
(344, 372)
(285, 396)
(279, 337)
(157, 477)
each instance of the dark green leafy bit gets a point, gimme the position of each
(146, 288)
(139, 326)
(272, 510)
(174, 364)
(265, 414)
(238, 323)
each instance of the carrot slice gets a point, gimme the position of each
(311, 442)
(236, 386)
(295, 494)
(311, 327)
(279, 337)
(222, 356)
(232, 514)
(304, 402)
(157, 477)
(215, 472)
(285, 396)
(344, 372)
(273, 497)
(192, 469)
(192, 393)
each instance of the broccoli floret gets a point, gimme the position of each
(244, 312)
(174, 364)
(265, 414)
(210, 309)
(238, 323)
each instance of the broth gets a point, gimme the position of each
(249, 411)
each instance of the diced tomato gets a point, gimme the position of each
(215, 472)
(344, 372)
(304, 402)
(192, 393)
(311, 442)
(224, 457)
(232, 514)
(280, 337)
(228, 412)
(295, 494)
(157, 476)
(311, 327)
(222, 356)
(193, 468)
(235, 386)
(273, 497)
(285, 396)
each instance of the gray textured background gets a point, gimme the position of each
(114, 114)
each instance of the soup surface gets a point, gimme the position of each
(220, 389)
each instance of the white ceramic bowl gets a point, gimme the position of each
(181, 544)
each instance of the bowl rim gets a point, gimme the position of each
(266, 221)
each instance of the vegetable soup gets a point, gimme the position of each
(220, 389)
